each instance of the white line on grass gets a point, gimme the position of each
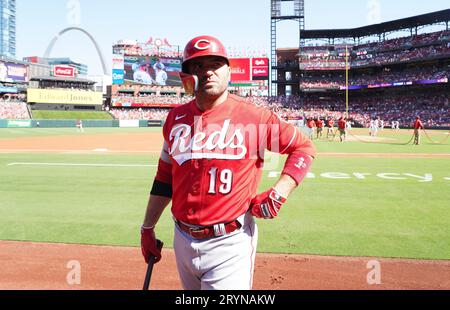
(79, 165)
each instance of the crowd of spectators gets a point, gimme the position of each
(405, 55)
(13, 109)
(130, 114)
(434, 110)
(329, 80)
(377, 53)
(405, 42)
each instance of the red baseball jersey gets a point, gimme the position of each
(310, 123)
(342, 123)
(418, 124)
(319, 123)
(330, 123)
(214, 158)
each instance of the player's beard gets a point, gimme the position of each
(211, 90)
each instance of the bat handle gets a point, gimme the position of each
(151, 262)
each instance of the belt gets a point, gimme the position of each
(205, 232)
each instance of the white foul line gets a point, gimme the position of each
(80, 165)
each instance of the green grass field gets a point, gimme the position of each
(385, 207)
(49, 114)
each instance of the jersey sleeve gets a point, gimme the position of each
(164, 173)
(284, 138)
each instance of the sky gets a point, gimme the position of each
(237, 23)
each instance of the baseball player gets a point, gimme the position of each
(210, 167)
(160, 74)
(79, 125)
(141, 75)
(330, 124)
(310, 127)
(319, 125)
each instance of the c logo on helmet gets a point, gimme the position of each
(205, 45)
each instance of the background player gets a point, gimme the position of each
(310, 127)
(210, 169)
(330, 125)
(79, 125)
(160, 73)
(319, 125)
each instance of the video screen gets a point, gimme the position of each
(151, 70)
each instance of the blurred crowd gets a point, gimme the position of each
(434, 110)
(336, 80)
(378, 53)
(13, 109)
(129, 114)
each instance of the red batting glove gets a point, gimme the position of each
(149, 245)
(267, 205)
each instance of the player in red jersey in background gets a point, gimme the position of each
(310, 127)
(342, 127)
(330, 125)
(319, 125)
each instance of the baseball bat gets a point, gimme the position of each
(151, 262)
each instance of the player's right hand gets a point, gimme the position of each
(149, 244)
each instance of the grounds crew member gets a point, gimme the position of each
(342, 127)
(417, 125)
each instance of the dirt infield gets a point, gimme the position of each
(149, 142)
(27, 265)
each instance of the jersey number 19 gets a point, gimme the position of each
(226, 178)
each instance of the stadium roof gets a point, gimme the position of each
(399, 24)
(61, 79)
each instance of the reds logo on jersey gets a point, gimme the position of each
(226, 143)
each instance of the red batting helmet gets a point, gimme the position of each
(203, 46)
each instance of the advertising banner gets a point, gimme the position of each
(117, 76)
(12, 72)
(64, 96)
(118, 61)
(137, 104)
(8, 89)
(152, 70)
(260, 68)
(64, 71)
(19, 123)
(240, 69)
(132, 123)
(395, 84)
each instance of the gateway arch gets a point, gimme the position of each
(99, 52)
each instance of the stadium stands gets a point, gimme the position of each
(13, 109)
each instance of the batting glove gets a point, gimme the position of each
(149, 244)
(267, 205)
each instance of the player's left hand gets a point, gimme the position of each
(267, 205)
